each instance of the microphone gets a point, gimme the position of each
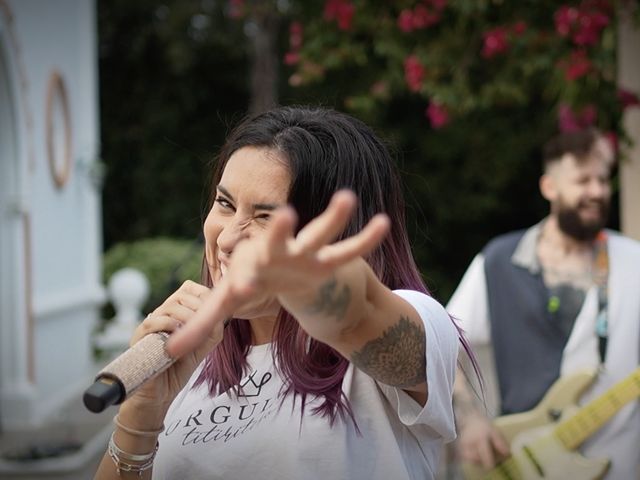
(124, 375)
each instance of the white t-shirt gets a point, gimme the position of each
(252, 437)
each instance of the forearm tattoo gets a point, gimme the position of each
(331, 300)
(397, 358)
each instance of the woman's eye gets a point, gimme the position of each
(223, 202)
(263, 216)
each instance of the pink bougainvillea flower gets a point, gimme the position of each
(599, 19)
(405, 20)
(565, 18)
(340, 10)
(437, 114)
(588, 115)
(291, 58)
(584, 23)
(613, 140)
(438, 5)
(627, 99)
(345, 16)
(571, 121)
(295, 35)
(519, 27)
(576, 66)
(589, 26)
(235, 9)
(494, 43)
(567, 121)
(423, 17)
(586, 37)
(331, 9)
(579, 66)
(414, 73)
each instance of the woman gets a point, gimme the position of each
(317, 353)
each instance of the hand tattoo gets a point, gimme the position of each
(330, 301)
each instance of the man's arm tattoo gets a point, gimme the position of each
(331, 301)
(397, 358)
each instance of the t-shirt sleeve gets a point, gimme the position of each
(441, 356)
(468, 303)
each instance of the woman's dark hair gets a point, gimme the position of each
(325, 151)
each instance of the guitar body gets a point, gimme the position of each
(535, 452)
(538, 455)
(563, 394)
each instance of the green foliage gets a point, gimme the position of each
(476, 175)
(173, 76)
(166, 262)
(469, 56)
(466, 183)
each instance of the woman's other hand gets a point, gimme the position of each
(176, 311)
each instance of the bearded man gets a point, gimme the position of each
(559, 297)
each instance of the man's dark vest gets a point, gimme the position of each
(527, 343)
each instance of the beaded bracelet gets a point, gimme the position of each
(121, 458)
(139, 433)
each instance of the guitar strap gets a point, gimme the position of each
(601, 279)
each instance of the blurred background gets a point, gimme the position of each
(111, 113)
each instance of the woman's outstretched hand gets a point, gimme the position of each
(279, 265)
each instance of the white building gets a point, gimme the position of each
(50, 236)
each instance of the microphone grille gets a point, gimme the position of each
(141, 362)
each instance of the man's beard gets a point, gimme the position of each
(573, 225)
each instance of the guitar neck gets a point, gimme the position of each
(575, 430)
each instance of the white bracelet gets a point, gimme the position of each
(121, 458)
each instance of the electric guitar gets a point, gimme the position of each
(543, 440)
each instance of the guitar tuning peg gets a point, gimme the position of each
(554, 414)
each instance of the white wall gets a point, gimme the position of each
(46, 344)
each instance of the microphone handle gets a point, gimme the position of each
(124, 375)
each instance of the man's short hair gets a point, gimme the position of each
(578, 143)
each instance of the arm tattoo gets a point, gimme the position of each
(330, 301)
(397, 358)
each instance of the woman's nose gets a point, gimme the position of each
(232, 232)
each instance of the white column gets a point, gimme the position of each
(629, 79)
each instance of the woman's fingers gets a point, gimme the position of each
(219, 306)
(189, 289)
(191, 302)
(192, 288)
(281, 229)
(358, 245)
(184, 302)
(326, 227)
(177, 310)
(319, 232)
(156, 323)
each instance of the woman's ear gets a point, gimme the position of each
(548, 187)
